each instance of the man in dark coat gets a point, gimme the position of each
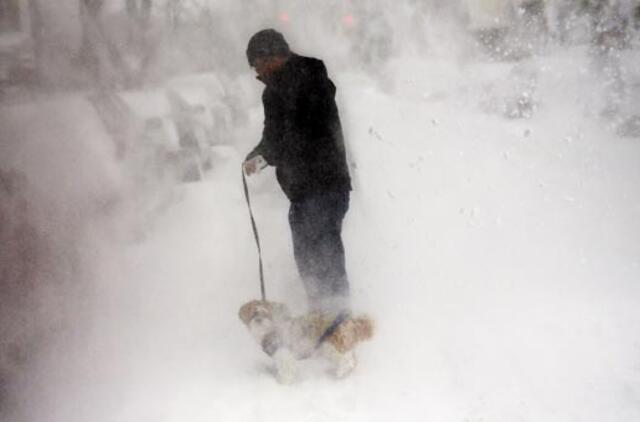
(302, 138)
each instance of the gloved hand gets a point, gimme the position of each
(254, 165)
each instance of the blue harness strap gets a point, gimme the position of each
(342, 316)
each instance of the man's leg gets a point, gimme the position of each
(316, 226)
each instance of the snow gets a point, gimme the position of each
(499, 258)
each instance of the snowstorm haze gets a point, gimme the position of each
(492, 235)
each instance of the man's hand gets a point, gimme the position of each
(254, 165)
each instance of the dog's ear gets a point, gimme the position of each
(244, 313)
(248, 310)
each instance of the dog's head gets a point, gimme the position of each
(259, 310)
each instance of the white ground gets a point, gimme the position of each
(500, 259)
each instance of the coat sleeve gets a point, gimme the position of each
(261, 149)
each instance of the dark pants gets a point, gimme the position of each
(316, 226)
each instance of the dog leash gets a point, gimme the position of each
(255, 235)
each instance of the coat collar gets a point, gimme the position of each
(277, 77)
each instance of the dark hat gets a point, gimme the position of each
(266, 43)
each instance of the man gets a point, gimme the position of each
(302, 138)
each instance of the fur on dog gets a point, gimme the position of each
(274, 329)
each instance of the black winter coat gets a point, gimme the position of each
(302, 135)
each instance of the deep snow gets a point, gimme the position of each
(500, 259)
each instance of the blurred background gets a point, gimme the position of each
(109, 107)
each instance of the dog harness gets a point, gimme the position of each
(342, 316)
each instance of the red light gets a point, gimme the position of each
(348, 20)
(284, 17)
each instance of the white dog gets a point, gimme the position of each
(288, 339)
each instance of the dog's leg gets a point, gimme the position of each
(286, 366)
(285, 363)
(272, 345)
(261, 329)
(343, 363)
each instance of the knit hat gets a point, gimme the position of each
(266, 43)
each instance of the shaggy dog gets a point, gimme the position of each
(287, 339)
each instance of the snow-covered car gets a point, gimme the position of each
(17, 62)
(174, 129)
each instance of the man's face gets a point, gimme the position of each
(266, 66)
